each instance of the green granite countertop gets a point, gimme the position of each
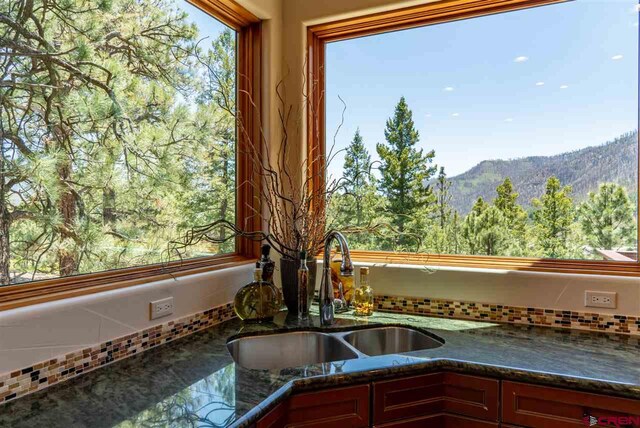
(193, 382)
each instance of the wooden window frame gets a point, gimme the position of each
(248, 91)
(417, 16)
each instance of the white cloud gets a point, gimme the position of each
(428, 115)
(509, 119)
(617, 57)
(448, 89)
(564, 86)
(455, 114)
(521, 59)
(539, 83)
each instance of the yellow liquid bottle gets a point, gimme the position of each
(336, 279)
(363, 295)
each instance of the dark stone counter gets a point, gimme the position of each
(194, 382)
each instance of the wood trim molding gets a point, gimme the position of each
(584, 267)
(227, 11)
(249, 99)
(16, 296)
(249, 87)
(418, 16)
(426, 14)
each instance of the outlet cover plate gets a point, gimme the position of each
(161, 308)
(600, 299)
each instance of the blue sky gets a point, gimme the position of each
(536, 82)
(208, 26)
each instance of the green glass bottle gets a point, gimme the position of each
(259, 300)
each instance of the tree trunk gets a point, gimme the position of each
(108, 206)
(67, 258)
(224, 204)
(5, 254)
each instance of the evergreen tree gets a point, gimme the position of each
(356, 177)
(404, 170)
(107, 132)
(443, 198)
(358, 205)
(514, 215)
(483, 230)
(606, 218)
(553, 217)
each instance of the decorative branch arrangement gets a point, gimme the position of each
(294, 205)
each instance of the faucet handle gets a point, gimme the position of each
(346, 267)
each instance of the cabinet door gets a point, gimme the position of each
(442, 420)
(332, 408)
(276, 418)
(539, 406)
(433, 394)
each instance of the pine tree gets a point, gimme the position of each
(357, 205)
(356, 177)
(405, 169)
(514, 215)
(443, 198)
(483, 230)
(553, 218)
(118, 136)
(606, 218)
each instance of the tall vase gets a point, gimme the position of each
(289, 276)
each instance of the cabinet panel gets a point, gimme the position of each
(434, 394)
(276, 418)
(442, 420)
(339, 408)
(538, 406)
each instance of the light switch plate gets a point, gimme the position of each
(600, 299)
(161, 308)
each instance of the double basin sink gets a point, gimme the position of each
(301, 348)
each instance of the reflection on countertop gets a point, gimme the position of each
(194, 381)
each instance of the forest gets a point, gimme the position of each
(413, 199)
(117, 132)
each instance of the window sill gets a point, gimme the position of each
(582, 267)
(15, 296)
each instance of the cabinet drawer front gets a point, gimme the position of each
(539, 406)
(442, 420)
(334, 408)
(433, 394)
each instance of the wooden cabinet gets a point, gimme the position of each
(441, 420)
(449, 400)
(434, 394)
(332, 408)
(538, 406)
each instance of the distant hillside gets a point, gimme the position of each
(584, 169)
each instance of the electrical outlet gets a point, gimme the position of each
(600, 299)
(161, 308)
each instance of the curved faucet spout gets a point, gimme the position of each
(327, 309)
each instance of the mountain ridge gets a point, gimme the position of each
(584, 170)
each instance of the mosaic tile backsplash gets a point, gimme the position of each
(39, 376)
(510, 314)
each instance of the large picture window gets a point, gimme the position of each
(512, 135)
(118, 132)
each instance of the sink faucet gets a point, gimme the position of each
(327, 310)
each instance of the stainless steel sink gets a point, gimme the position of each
(278, 351)
(301, 348)
(390, 340)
